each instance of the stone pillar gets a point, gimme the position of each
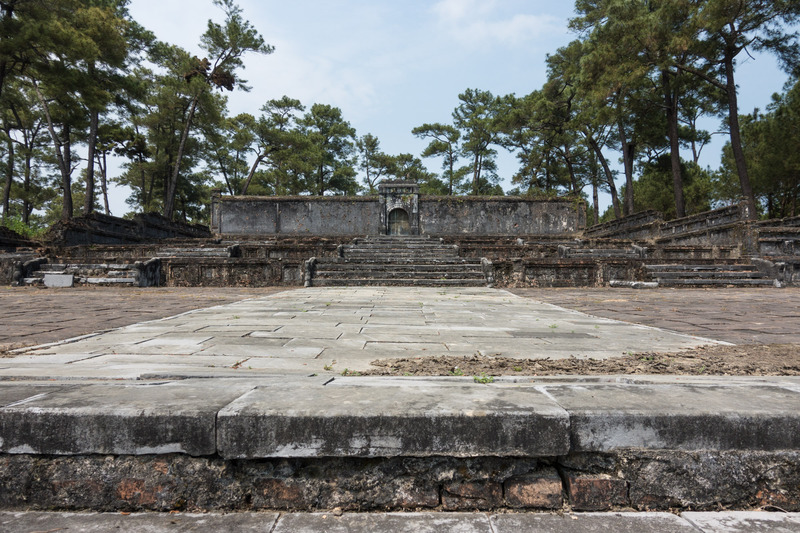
(216, 198)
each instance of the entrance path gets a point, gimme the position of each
(320, 330)
(33, 316)
(739, 316)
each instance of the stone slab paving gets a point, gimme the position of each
(740, 316)
(32, 315)
(729, 522)
(319, 330)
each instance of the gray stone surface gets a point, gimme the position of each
(391, 419)
(605, 417)
(745, 522)
(326, 330)
(136, 419)
(726, 522)
(55, 281)
(592, 523)
(140, 523)
(384, 522)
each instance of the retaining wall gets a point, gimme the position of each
(337, 215)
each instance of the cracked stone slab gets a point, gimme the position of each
(745, 522)
(685, 416)
(353, 419)
(142, 522)
(592, 523)
(384, 523)
(135, 419)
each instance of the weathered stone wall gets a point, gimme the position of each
(444, 215)
(103, 229)
(297, 216)
(636, 226)
(362, 216)
(645, 480)
(11, 240)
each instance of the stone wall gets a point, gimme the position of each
(332, 216)
(444, 215)
(336, 215)
(103, 229)
(644, 480)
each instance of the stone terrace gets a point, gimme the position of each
(241, 407)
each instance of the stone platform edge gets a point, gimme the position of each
(400, 444)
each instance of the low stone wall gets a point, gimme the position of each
(443, 215)
(11, 240)
(193, 272)
(650, 225)
(570, 272)
(345, 215)
(645, 480)
(638, 225)
(349, 215)
(103, 229)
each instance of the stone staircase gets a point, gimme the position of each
(205, 251)
(710, 275)
(399, 261)
(136, 274)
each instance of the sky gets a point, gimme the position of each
(393, 65)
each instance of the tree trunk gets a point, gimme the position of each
(172, 186)
(64, 163)
(104, 181)
(627, 158)
(88, 204)
(9, 178)
(252, 172)
(573, 181)
(612, 187)
(671, 103)
(736, 139)
(68, 209)
(27, 208)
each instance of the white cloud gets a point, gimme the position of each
(484, 23)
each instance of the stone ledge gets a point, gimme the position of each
(252, 418)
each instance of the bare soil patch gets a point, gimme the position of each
(744, 360)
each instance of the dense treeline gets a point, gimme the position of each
(81, 83)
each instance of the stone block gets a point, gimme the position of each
(103, 522)
(596, 492)
(608, 417)
(383, 523)
(396, 419)
(591, 522)
(472, 495)
(55, 281)
(139, 419)
(541, 490)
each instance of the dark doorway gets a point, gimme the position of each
(398, 222)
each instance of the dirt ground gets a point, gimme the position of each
(715, 360)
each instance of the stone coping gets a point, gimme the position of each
(689, 522)
(282, 417)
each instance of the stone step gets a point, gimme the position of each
(108, 281)
(400, 258)
(715, 282)
(426, 265)
(708, 275)
(395, 282)
(691, 268)
(194, 252)
(358, 274)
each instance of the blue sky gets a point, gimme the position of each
(393, 65)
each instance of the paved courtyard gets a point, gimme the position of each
(318, 330)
